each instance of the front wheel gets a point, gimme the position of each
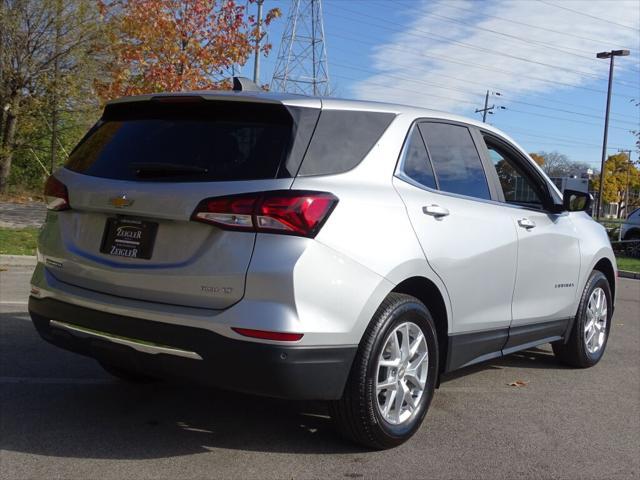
(588, 338)
(393, 376)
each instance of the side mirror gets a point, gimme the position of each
(575, 201)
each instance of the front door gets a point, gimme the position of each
(548, 250)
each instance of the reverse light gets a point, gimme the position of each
(267, 335)
(289, 212)
(56, 194)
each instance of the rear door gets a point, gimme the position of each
(548, 247)
(136, 179)
(467, 239)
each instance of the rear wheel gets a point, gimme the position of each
(127, 375)
(588, 338)
(393, 376)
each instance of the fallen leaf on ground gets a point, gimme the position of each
(518, 383)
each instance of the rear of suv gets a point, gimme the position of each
(311, 248)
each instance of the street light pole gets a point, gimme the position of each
(256, 58)
(611, 55)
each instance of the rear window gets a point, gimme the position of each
(191, 141)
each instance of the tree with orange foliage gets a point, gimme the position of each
(176, 45)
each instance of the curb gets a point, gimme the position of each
(625, 274)
(18, 260)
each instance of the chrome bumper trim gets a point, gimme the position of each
(129, 342)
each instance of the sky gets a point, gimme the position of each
(539, 55)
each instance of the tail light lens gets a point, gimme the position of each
(56, 195)
(288, 212)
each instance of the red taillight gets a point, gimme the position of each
(56, 194)
(286, 211)
(266, 335)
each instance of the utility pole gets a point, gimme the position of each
(302, 65)
(256, 59)
(488, 109)
(611, 55)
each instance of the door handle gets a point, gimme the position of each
(526, 223)
(435, 211)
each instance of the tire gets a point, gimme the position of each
(575, 352)
(359, 414)
(127, 375)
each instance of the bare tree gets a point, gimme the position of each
(559, 165)
(40, 41)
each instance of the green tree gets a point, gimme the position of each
(620, 175)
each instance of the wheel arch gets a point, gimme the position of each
(428, 293)
(605, 266)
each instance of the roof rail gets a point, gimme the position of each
(243, 84)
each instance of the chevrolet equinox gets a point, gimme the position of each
(314, 248)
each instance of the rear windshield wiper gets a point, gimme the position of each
(153, 169)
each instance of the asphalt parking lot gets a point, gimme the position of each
(61, 416)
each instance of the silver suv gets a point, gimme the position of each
(312, 248)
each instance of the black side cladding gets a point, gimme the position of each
(342, 139)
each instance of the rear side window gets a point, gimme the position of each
(194, 141)
(416, 163)
(455, 159)
(342, 139)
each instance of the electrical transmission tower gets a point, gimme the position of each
(301, 66)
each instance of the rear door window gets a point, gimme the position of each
(415, 163)
(194, 141)
(455, 159)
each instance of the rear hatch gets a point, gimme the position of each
(136, 178)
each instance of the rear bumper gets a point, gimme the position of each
(167, 350)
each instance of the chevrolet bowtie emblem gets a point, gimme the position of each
(121, 201)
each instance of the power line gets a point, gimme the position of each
(560, 142)
(466, 92)
(567, 111)
(588, 15)
(528, 25)
(463, 100)
(424, 34)
(561, 139)
(554, 47)
(561, 118)
(483, 67)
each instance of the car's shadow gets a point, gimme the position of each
(55, 403)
